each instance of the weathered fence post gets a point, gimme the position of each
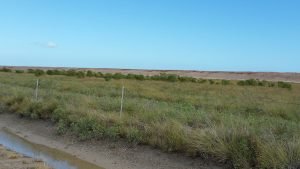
(36, 89)
(121, 109)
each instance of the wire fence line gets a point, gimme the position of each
(38, 88)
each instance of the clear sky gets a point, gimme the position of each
(228, 35)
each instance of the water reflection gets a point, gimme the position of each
(53, 157)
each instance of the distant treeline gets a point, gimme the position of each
(160, 77)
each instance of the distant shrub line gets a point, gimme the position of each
(160, 77)
(264, 83)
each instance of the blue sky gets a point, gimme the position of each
(231, 35)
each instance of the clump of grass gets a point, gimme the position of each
(36, 72)
(169, 136)
(87, 128)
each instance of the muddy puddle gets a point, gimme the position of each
(54, 158)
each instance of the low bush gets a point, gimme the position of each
(4, 69)
(98, 74)
(284, 85)
(87, 128)
(139, 77)
(225, 82)
(202, 81)
(118, 76)
(80, 74)
(130, 76)
(36, 72)
(271, 84)
(108, 76)
(71, 72)
(211, 81)
(19, 71)
(90, 73)
(49, 72)
(39, 72)
(251, 82)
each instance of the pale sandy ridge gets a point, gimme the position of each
(107, 154)
(270, 76)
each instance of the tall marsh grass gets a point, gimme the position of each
(243, 126)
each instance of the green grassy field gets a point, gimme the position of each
(242, 126)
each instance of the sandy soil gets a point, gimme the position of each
(107, 154)
(270, 76)
(12, 160)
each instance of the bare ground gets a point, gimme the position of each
(270, 76)
(107, 154)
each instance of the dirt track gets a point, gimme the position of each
(107, 154)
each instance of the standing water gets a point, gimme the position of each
(54, 158)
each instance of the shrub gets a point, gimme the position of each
(39, 72)
(112, 132)
(251, 82)
(61, 127)
(87, 128)
(202, 80)
(186, 79)
(71, 72)
(80, 74)
(99, 74)
(134, 135)
(225, 82)
(130, 76)
(172, 78)
(108, 76)
(19, 71)
(284, 85)
(59, 72)
(30, 71)
(139, 77)
(262, 83)
(241, 83)
(55, 72)
(155, 77)
(211, 81)
(118, 76)
(271, 84)
(49, 72)
(90, 73)
(4, 69)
